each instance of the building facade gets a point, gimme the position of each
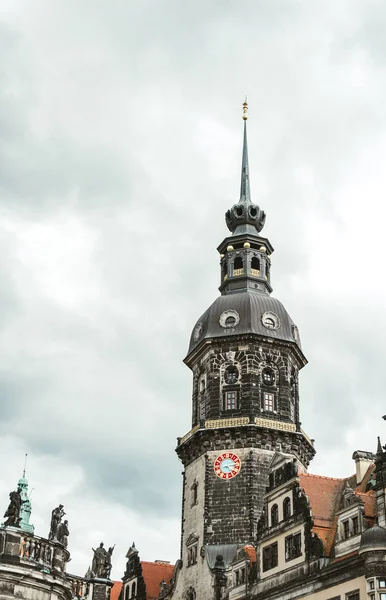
(256, 525)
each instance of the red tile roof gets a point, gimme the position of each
(153, 573)
(116, 590)
(370, 503)
(324, 494)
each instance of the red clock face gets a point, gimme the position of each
(227, 465)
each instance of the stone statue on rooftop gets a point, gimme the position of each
(13, 511)
(101, 562)
(56, 518)
(63, 533)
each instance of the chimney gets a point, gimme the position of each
(362, 462)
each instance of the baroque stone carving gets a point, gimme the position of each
(56, 518)
(190, 594)
(14, 507)
(101, 562)
(63, 533)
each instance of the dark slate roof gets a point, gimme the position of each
(375, 537)
(250, 305)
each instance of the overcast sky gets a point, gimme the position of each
(120, 151)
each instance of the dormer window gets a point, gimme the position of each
(350, 527)
(230, 321)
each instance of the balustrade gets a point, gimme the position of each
(36, 550)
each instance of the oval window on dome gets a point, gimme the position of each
(229, 319)
(270, 320)
(197, 333)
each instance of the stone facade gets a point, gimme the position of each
(31, 567)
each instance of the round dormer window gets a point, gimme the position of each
(197, 333)
(229, 319)
(270, 320)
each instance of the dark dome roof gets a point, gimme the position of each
(375, 537)
(247, 309)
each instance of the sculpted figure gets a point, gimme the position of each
(13, 511)
(99, 561)
(56, 517)
(63, 533)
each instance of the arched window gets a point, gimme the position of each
(268, 376)
(231, 374)
(238, 266)
(255, 266)
(286, 508)
(133, 590)
(127, 592)
(274, 515)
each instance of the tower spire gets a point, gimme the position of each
(245, 192)
(245, 217)
(25, 464)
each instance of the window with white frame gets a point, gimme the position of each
(230, 400)
(269, 402)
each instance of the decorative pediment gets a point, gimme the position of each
(279, 460)
(283, 468)
(349, 497)
(192, 539)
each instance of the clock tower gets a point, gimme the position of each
(245, 356)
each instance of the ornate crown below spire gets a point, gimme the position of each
(245, 216)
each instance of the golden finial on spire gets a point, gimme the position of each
(245, 109)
